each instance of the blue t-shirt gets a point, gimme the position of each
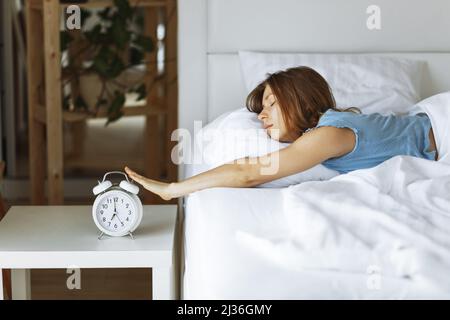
(379, 138)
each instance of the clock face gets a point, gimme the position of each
(115, 212)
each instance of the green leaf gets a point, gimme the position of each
(101, 66)
(104, 14)
(120, 35)
(144, 42)
(115, 69)
(140, 21)
(114, 117)
(142, 91)
(94, 35)
(66, 102)
(105, 53)
(80, 103)
(107, 63)
(85, 14)
(115, 108)
(136, 56)
(66, 38)
(117, 103)
(124, 8)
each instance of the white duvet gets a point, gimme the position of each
(393, 218)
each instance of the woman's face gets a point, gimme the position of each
(272, 117)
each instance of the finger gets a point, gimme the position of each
(141, 181)
(128, 170)
(131, 173)
(136, 177)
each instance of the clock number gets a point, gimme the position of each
(108, 204)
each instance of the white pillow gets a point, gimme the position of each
(437, 107)
(372, 83)
(238, 134)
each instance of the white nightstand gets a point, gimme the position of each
(33, 237)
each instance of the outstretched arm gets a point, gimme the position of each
(307, 151)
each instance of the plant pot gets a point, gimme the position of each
(91, 86)
(91, 90)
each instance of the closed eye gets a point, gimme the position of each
(270, 105)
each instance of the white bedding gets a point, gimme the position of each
(220, 264)
(322, 239)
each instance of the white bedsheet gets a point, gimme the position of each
(394, 218)
(382, 232)
(222, 260)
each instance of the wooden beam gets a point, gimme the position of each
(152, 141)
(34, 4)
(53, 101)
(171, 84)
(109, 3)
(40, 113)
(94, 4)
(100, 163)
(11, 77)
(36, 130)
(72, 116)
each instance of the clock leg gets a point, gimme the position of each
(163, 282)
(20, 279)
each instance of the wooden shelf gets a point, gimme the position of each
(46, 116)
(109, 3)
(99, 163)
(76, 116)
(95, 4)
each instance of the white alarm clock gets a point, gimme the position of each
(117, 210)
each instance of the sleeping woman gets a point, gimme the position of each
(297, 106)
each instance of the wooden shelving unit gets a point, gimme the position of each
(46, 115)
(95, 4)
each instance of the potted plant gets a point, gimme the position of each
(106, 62)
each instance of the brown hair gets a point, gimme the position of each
(302, 94)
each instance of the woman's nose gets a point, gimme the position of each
(262, 115)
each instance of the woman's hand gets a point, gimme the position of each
(162, 189)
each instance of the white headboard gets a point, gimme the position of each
(212, 31)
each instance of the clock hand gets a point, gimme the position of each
(119, 218)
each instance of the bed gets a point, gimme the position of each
(219, 264)
(237, 243)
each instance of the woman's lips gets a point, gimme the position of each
(267, 127)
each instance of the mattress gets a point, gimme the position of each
(218, 264)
